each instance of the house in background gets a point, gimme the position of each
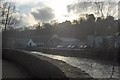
(41, 41)
(61, 42)
(38, 41)
(70, 42)
(64, 42)
(99, 42)
(30, 43)
(54, 41)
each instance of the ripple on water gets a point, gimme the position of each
(91, 67)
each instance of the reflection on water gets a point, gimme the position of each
(96, 70)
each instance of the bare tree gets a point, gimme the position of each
(106, 8)
(8, 12)
(100, 7)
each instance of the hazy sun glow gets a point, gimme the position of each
(59, 8)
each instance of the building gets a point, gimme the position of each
(70, 42)
(102, 41)
(61, 42)
(54, 41)
(30, 43)
(38, 41)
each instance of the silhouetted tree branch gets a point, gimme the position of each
(8, 11)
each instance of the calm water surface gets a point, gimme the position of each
(96, 70)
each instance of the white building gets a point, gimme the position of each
(30, 43)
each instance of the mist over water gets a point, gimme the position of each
(96, 70)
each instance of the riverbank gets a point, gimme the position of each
(30, 64)
(104, 56)
(38, 66)
(109, 57)
(70, 71)
(96, 70)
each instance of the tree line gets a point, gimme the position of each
(88, 25)
(78, 28)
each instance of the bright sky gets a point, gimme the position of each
(34, 11)
(59, 6)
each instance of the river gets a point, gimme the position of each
(93, 68)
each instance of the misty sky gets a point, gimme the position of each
(34, 11)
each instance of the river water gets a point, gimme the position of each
(93, 68)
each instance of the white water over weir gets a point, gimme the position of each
(96, 70)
